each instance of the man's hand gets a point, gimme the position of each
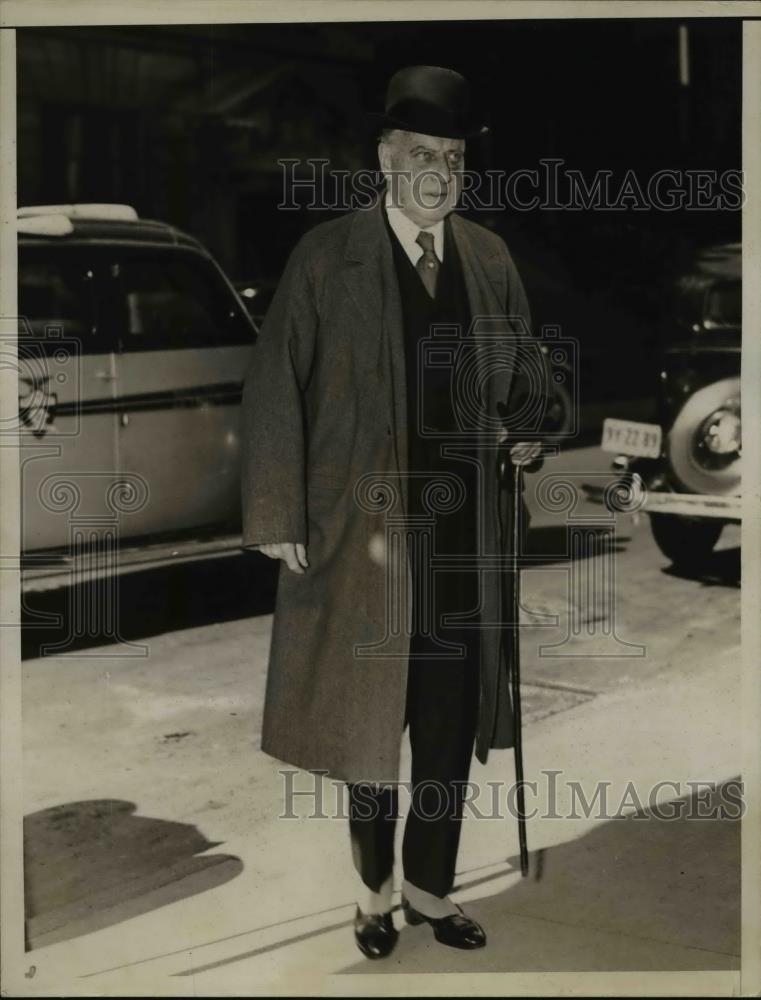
(294, 554)
(526, 453)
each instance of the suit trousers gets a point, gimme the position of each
(442, 691)
(442, 713)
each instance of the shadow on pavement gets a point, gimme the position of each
(638, 893)
(551, 544)
(152, 601)
(89, 865)
(720, 569)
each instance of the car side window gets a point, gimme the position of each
(56, 296)
(168, 300)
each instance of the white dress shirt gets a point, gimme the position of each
(407, 232)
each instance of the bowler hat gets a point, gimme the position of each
(431, 100)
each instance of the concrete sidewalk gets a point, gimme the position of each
(157, 863)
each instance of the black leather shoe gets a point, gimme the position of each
(375, 933)
(457, 930)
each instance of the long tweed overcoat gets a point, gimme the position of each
(324, 437)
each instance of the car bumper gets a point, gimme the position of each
(638, 498)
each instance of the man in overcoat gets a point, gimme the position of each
(347, 412)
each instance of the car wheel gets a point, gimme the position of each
(686, 541)
(703, 445)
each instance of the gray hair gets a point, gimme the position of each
(388, 134)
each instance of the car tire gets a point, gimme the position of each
(685, 469)
(686, 541)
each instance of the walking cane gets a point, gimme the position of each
(516, 471)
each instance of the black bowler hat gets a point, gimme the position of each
(430, 100)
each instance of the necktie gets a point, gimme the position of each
(428, 265)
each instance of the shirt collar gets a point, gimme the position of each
(407, 231)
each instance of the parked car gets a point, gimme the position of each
(684, 468)
(133, 346)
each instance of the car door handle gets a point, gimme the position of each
(105, 376)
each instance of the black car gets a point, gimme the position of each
(684, 467)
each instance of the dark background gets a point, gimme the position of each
(187, 124)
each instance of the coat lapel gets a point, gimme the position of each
(485, 276)
(360, 275)
(486, 282)
(370, 279)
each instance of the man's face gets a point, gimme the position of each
(423, 173)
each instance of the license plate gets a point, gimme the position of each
(628, 437)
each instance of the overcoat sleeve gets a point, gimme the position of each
(273, 439)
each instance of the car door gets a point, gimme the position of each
(184, 345)
(67, 417)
